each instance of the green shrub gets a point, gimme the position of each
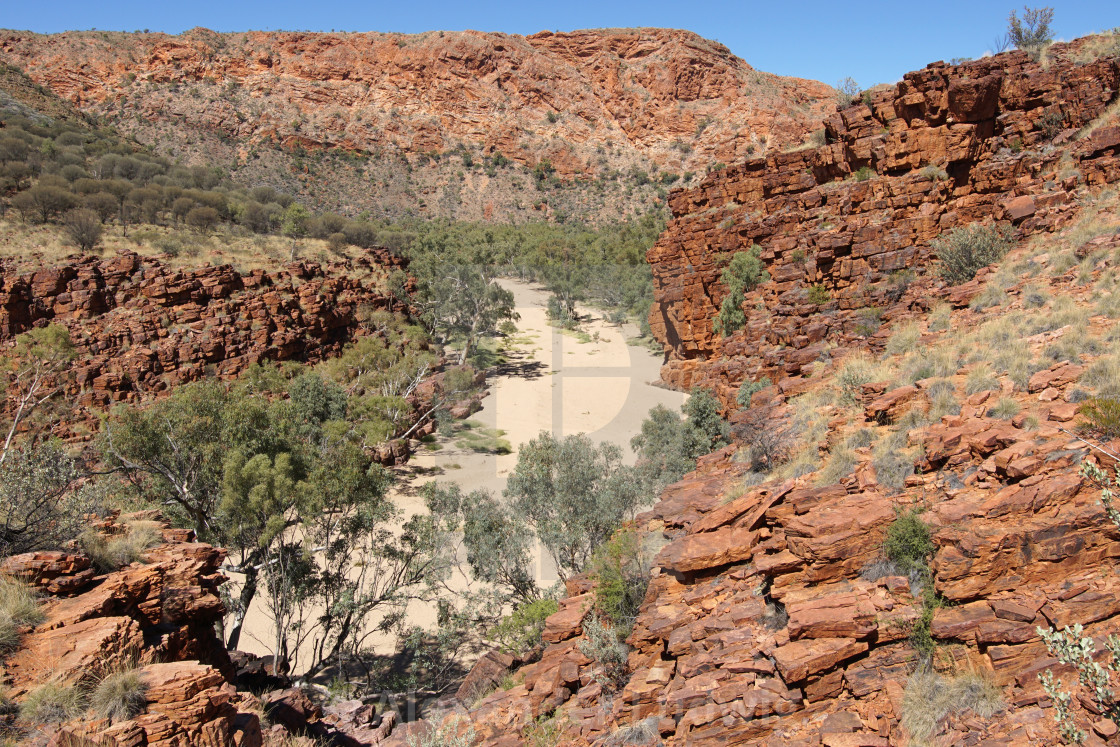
(745, 272)
(1101, 415)
(702, 413)
(602, 645)
(52, 703)
(818, 294)
(621, 569)
(966, 249)
(908, 543)
(847, 92)
(863, 173)
(667, 448)
(520, 631)
(1032, 32)
(120, 696)
(749, 388)
(731, 317)
(934, 173)
(1069, 646)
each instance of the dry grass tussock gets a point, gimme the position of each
(19, 606)
(642, 733)
(930, 697)
(53, 703)
(855, 371)
(809, 426)
(114, 552)
(119, 695)
(904, 339)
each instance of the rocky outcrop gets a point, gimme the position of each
(588, 101)
(947, 146)
(187, 703)
(768, 619)
(162, 609)
(141, 328)
(156, 616)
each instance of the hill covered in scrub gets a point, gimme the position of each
(917, 358)
(464, 125)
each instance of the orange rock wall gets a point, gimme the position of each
(141, 328)
(1001, 129)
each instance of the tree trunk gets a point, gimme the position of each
(248, 591)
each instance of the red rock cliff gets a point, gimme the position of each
(946, 146)
(586, 100)
(141, 328)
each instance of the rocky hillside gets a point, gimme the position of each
(896, 410)
(591, 104)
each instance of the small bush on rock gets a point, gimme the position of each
(621, 569)
(908, 543)
(930, 697)
(966, 249)
(749, 388)
(1005, 409)
(642, 733)
(520, 631)
(1102, 415)
(745, 272)
(1032, 32)
(450, 733)
(1069, 646)
(112, 553)
(601, 644)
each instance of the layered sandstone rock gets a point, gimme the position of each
(947, 146)
(157, 616)
(585, 100)
(141, 328)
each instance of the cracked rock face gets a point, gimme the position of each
(157, 615)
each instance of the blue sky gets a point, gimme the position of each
(873, 42)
